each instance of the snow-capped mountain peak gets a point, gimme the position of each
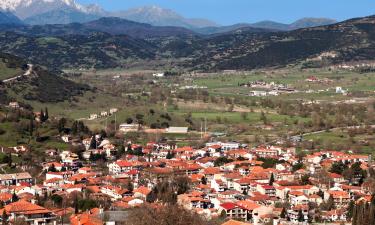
(13, 5)
(28, 8)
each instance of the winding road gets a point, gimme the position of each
(27, 73)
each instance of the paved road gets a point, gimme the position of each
(27, 73)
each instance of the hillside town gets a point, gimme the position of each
(199, 112)
(227, 181)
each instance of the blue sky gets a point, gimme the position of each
(233, 11)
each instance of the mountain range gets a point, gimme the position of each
(268, 25)
(100, 41)
(9, 18)
(129, 43)
(41, 12)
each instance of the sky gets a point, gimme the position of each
(227, 12)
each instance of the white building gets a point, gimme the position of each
(128, 127)
(177, 130)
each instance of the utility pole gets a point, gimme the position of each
(201, 129)
(205, 126)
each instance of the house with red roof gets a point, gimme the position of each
(122, 166)
(115, 193)
(31, 213)
(141, 192)
(233, 211)
(86, 218)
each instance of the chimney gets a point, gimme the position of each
(256, 218)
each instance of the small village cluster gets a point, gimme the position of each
(228, 180)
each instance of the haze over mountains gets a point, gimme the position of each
(40, 12)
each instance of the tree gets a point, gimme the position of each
(57, 199)
(46, 116)
(31, 126)
(129, 120)
(263, 118)
(170, 155)
(182, 184)
(350, 210)
(52, 168)
(272, 179)
(4, 218)
(221, 161)
(41, 116)
(301, 217)
(75, 204)
(283, 213)
(297, 166)
(223, 215)
(93, 144)
(338, 167)
(166, 214)
(305, 179)
(120, 152)
(204, 180)
(86, 204)
(129, 150)
(139, 118)
(10, 161)
(244, 115)
(14, 197)
(61, 125)
(330, 203)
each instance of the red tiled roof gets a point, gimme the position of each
(228, 205)
(24, 207)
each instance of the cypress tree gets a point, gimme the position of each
(46, 116)
(355, 215)
(41, 116)
(4, 218)
(272, 179)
